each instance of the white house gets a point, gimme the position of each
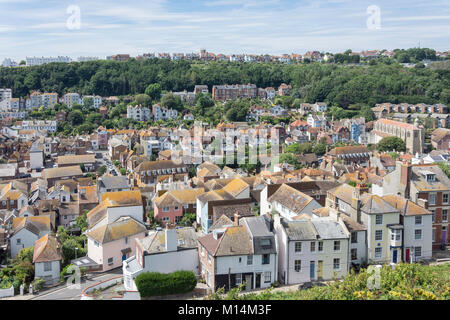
(162, 251)
(311, 249)
(26, 230)
(47, 259)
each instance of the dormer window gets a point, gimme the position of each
(431, 177)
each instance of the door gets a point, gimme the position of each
(320, 269)
(444, 235)
(394, 256)
(248, 282)
(258, 281)
(124, 257)
(311, 270)
(407, 256)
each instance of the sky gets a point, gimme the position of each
(51, 28)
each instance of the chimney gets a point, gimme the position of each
(422, 202)
(171, 238)
(405, 177)
(236, 219)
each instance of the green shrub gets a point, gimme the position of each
(159, 284)
(38, 284)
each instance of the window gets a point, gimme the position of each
(110, 261)
(267, 277)
(337, 245)
(433, 212)
(444, 215)
(336, 264)
(354, 253)
(432, 199)
(178, 219)
(378, 253)
(249, 260)
(434, 235)
(313, 246)
(238, 278)
(176, 208)
(379, 219)
(96, 243)
(418, 220)
(126, 240)
(165, 219)
(418, 234)
(298, 265)
(47, 266)
(298, 247)
(240, 259)
(202, 250)
(266, 259)
(445, 198)
(431, 177)
(379, 235)
(354, 236)
(417, 251)
(320, 246)
(186, 206)
(166, 209)
(209, 258)
(18, 241)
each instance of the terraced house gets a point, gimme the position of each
(149, 172)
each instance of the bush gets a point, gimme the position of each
(159, 284)
(38, 284)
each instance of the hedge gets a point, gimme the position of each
(160, 284)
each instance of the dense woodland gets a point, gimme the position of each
(381, 80)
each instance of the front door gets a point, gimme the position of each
(407, 256)
(394, 256)
(124, 257)
(258, 281)
(311, 270)
(248, 282)
(444, 236)
(320, 270)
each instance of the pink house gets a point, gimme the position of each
(110, 244)
(173, 204)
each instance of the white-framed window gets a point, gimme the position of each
(249, 260)
(166, 209)
(336, 264)
(298, 247)
(418, 234)
(337, 245)
(379, 219)
(265, 259)
(267, 277)
(298, 265)
(47, 266)
(238, 278)
(378, 252)
(320, 246)
(417, 252)
(433, 235)
(186, 206)
(110, 261)
(18, 241)
(165, 219)
(176, 208)
(432, 199)
(445, 198)
(378, 235)
(96, 243)
(444, 215)
(433, 213)
(313, 246)
(418, 220)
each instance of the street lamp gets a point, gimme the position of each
(76, 249)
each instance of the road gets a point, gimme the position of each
(65, 293)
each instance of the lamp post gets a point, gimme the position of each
(76, 249)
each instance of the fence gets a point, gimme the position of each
(7, 292)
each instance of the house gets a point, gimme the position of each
(440, 139)
(26, 230)
(243, 253)
(417, 228)
(148, 172)
(350, 155)
(171, 206)
(47, 259)
(111, 244)
(316, 121)
(87, 160)
(162, 251)
(51, 175)
(112, 184)
(289, 202)
(311, 249)
(284, 89)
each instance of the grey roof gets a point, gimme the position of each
(155, 241)
(299, 229)
(119, 182)
(373, 204)
(329, 228)
(263, 238)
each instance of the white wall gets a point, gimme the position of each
(7, 292)
(27, 239)
(172, 261)
(409, 236)
(53, 274)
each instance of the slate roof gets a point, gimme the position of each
(328, 228)
(155, 242)
(299, 229)
(119, 182)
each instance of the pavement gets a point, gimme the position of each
(63, 292)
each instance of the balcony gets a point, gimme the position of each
(395, 235)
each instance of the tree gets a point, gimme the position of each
(154, 91)
(82, 221)
(75, 117)
(68, 250)
(101, 170)
(170, 101)
(143, 100)
(391, 144)
(25, 254)
(299, 148)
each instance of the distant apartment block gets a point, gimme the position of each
(96, 101)
(49, 125)
(8, 63)
(71, 98)
(5, 94)
(201, 88)
(84, 59)
(233, 92)
(37, 61)
(139, 113)
(161, 113)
